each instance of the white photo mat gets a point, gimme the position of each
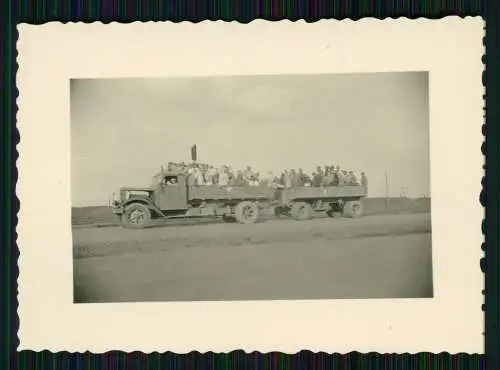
(51, 54)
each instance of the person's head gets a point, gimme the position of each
(362, 173)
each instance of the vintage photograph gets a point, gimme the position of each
(251, 187)
(271, 186)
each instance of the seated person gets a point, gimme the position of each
(172, 181)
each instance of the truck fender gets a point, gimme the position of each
(145, 201)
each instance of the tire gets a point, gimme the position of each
(330, 213)
(353, 209)
(136, 216)
(301, 211)
(247, 212)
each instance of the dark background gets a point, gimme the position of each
(38, 12)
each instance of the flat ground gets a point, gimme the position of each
(385, 256)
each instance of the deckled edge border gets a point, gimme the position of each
(312, 359)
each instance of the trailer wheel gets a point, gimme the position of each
(301, 211)
(353, 209)
(136, 216)
(246, 212)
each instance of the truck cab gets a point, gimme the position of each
(166, 195)
(170, 192)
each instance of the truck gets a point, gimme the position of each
(170, 196)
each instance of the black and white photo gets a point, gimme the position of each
(251, 187)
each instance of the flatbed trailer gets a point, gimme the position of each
(302, 202)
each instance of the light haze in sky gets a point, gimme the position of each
(124, 130)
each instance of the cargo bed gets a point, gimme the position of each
(323, 193)
(215, 192)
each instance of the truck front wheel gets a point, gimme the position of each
(136, 216)
(246, 212)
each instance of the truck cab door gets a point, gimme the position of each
(172, 193)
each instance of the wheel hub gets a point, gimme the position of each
(248, 212)
(136, 217)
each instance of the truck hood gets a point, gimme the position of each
(140, 188)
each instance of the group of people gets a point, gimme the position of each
(199, 174)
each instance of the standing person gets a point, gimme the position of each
(341, 176)
(240, 179)
(326, 171)
(287, 180)
(328, 179)
(348, 178)
(277, 182)
(300, 179)
(335, 174)
(319, 175)
(293, 178)
(353, 179)
(223, 177)
(317, 179)
(364, 181)
(190, 178)
(199, 181)
(256, 179)
(268, 178)
(306, 180)
(248, 174)
(232, 176)
(210, 175)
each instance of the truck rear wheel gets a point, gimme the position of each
(246, 212)
(136, 216)
(301, 211)
(353, 209)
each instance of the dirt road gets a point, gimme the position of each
(379, 256)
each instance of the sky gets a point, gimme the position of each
(124, 130)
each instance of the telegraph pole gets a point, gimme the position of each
(386, 191)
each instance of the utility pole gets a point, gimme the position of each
(386, 191)
(403, 192)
